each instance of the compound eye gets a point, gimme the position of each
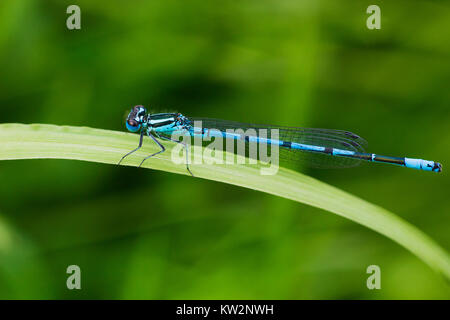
(139, 110)
(133, 125)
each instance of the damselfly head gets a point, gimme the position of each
(136, 118)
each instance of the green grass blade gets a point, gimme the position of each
(40, 141)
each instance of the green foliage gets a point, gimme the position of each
(48, 141)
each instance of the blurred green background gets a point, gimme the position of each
(149, 234)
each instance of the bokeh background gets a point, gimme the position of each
(139, 234)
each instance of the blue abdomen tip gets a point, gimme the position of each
(437, 167)
(423, 165)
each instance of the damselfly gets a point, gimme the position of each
(321, 148)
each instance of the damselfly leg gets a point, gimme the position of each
(140, 145)
(154, 154)
(185, 148)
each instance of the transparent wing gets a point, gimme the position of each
(328, 138)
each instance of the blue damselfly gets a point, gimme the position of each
(321, 148)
